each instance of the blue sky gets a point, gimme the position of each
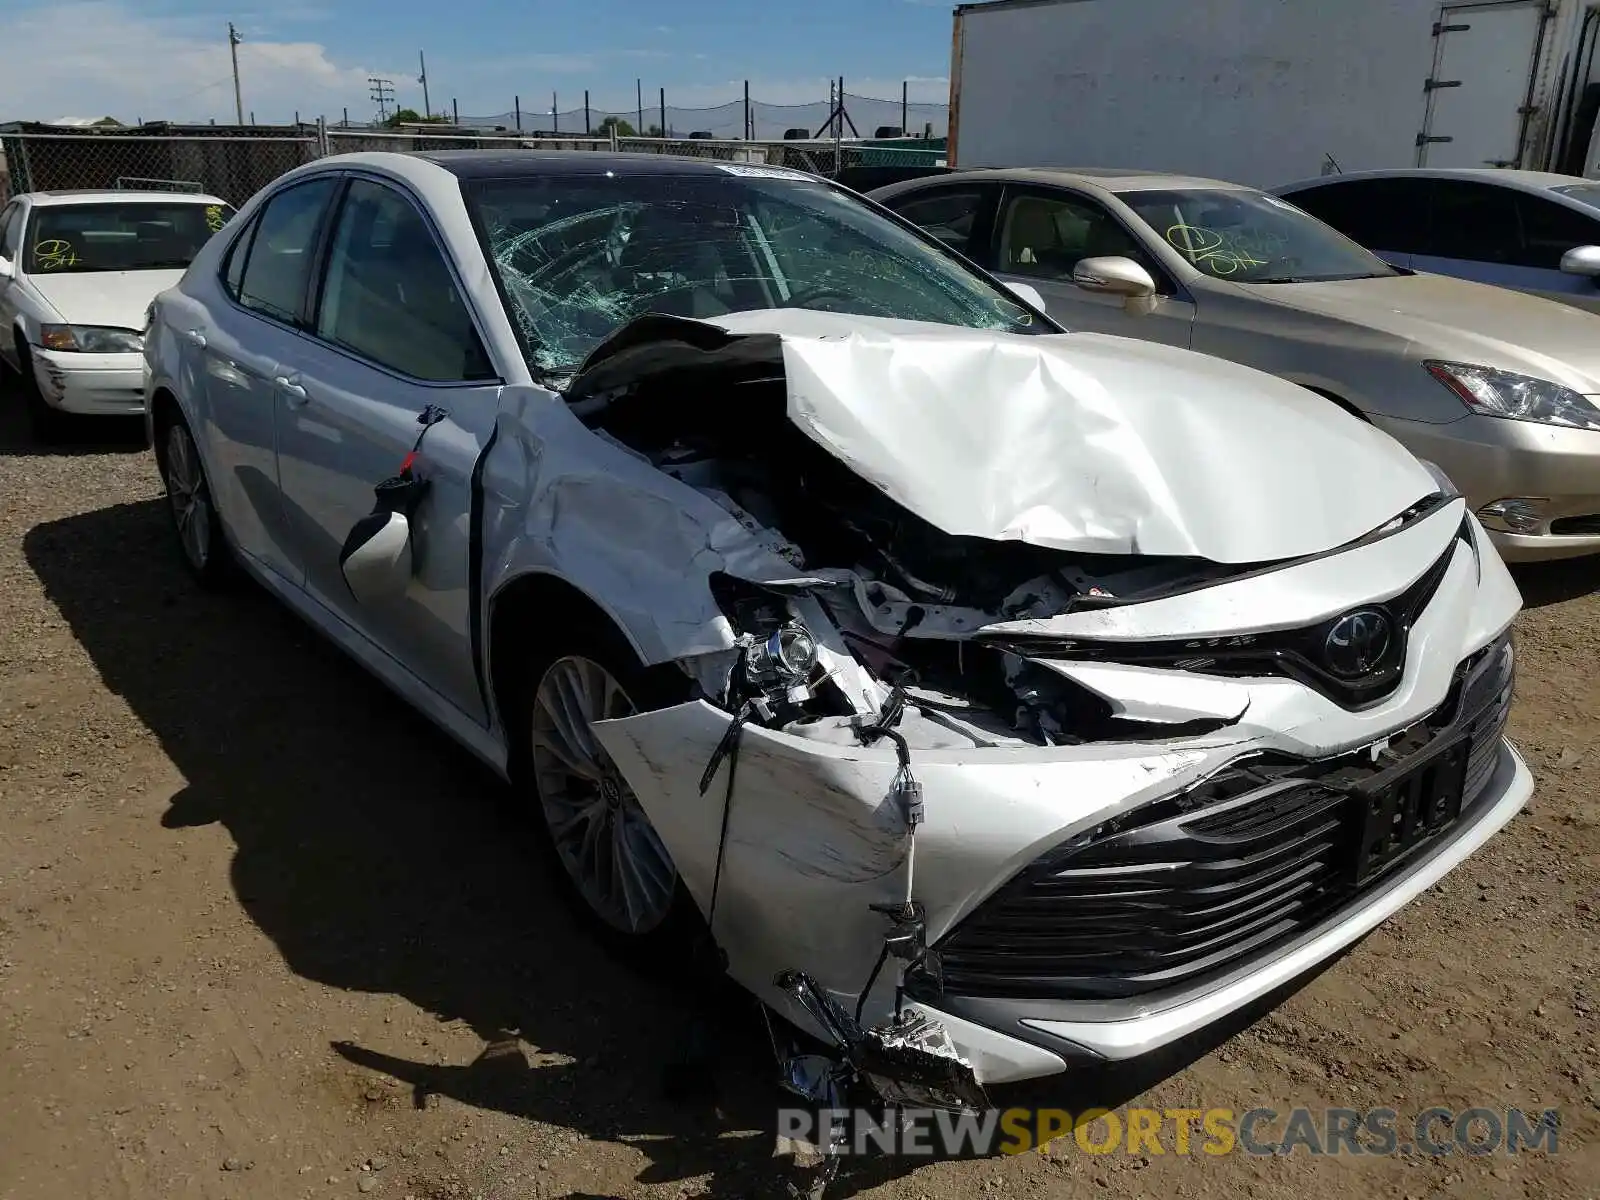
(168, 58)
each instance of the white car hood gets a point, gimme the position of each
(1086, 442)
(116, 299)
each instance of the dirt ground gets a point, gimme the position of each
(264, 933)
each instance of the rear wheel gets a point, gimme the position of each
(194, 515)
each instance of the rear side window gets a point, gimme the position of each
(389, 295)
(238, 253)
(947, 215)
(279, 262)
(1380, 214)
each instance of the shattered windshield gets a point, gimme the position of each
(1251, 237)
(582, 255)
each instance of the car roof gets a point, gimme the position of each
(66, 196)
(1110, 179)
(512, 164)
(1525, 181)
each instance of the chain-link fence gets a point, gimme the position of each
(235, 164)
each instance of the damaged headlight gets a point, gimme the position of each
(783, 663)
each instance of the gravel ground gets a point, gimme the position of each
(263, 933)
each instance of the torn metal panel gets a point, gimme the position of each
(814, 839)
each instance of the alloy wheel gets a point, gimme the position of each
(189, 496)
(601, 834)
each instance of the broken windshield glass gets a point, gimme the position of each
(580, 256)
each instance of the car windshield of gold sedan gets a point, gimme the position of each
(1251, 237)
(139, 235)
(581, 256)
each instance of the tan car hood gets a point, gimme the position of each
(1460, 321)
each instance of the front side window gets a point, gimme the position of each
(580, 256)
(388, 295)
(945, 214)
(119, 236)
(1250, 237)
(1047, 236)
(10, 230)
(279, 261)
(1549, 230)
(1474, 222)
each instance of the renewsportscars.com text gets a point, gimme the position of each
(1263, 1131)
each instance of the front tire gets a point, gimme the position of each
(612, 864)
(190, 504)
(48, 424)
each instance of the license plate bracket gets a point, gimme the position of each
(1396, 816)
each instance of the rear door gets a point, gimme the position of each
(235, 347)
(1485, 56)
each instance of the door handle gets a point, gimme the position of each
(195, 336)
(293, 392)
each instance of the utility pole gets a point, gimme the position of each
(427, 110)
(382, 93)
(233, 48)
(638, 85)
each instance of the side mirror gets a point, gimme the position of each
(1582, 260)
(1115, 276)
(1027, 293)
(376, 560)
(6, 269)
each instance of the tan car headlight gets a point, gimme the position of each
(1496, 393)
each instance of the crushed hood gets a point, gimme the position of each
(1086, 442)
(116, 299)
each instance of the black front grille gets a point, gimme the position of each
(1249, 858)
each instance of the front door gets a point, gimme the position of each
(391, 336)
(1041, 234)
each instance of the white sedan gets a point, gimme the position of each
(986, 698)
(77, 272)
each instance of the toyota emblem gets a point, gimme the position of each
(1357, 642)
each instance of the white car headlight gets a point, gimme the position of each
(1497, 393)
(90, 339)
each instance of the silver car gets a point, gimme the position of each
(1496, 387)
(835, 612)
(1529, 230)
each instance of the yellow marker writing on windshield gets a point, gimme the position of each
(53, 254)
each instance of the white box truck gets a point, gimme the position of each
(1266, 91)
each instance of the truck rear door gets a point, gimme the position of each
(1484, 60)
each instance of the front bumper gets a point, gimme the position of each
(1025, 1032)
(91, 384)
(1490, 458)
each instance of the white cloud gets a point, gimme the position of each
(113, 62)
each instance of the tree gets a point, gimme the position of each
(623, 128)
(410, 116)
(655, 131)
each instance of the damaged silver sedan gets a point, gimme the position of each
(990, 697)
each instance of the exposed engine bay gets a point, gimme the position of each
(908, 599)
